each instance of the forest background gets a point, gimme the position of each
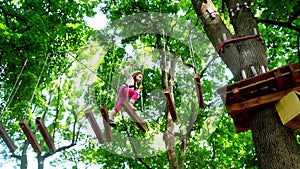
(54, 66)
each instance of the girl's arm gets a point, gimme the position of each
(126, 70)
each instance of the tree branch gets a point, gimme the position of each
(282, 24)
(59, 150)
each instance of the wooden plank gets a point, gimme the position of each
(170, 105)
(134, 116)
(237, 94)
(45, 134)
(257, 89)
(294, 74)
(278, 79)
(90, 116)
(261, 77)
(249, 87)
(30, 136)
(107, 127)
(199, 90)
(241, 122)
(294, 123)
(7, 140)
(259, 101)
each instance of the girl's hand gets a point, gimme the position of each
(131, 63)
(140, 88)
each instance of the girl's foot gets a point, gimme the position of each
(112, 123)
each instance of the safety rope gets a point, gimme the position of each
(16, 82)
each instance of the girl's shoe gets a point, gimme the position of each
(112, 123)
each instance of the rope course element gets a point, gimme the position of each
(226, 42)
(88, 68)
(46, 135)
(107, 127)
(38, 81)
(30, 136)
(9, 143)
(232, 10)
(18, 77)
(90, 116)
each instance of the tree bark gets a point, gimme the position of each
(41, 161)
(24, 162)
(275, 145)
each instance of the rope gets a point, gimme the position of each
(13, 95)
(192, 50)
(37, 83)
(18, 77)
(110, 74)
(142, 99)
(89, 69)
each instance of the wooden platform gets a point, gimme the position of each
(171, 105)
(9, 143)
(90, 116)
(264, 89)
(49, 141)
(105, 118)
(30, 136)
(134, 116)
(199, 90)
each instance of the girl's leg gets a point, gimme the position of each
(132, 94)
(118, 106)
(112, 114)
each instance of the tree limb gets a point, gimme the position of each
(282, 24)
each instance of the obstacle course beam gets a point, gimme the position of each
(199, 90)
(90, 116)
(134, 116)
(170, 105)
(30, 136)
(11, 146)
(45, 134)
(106, 123)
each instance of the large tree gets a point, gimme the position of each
(171, 38)
(275, 144)
(236, 18)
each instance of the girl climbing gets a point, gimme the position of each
(126, 91)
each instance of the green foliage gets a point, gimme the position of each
(281, 37)
(50, 33)
(35, 37)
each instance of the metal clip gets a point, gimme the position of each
(246, 5)
(231, 12)
(212, 14)
(263, 70)
(243, 74)
(238, 6)
(253, 70)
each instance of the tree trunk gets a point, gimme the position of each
(276, 146)
(169, 137)
(24, 162)
(40, 161)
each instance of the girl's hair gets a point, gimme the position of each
(135, 74)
